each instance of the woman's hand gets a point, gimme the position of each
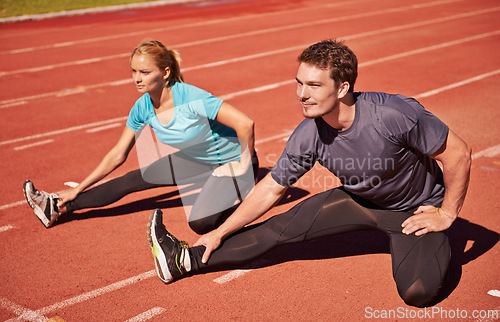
(67, 196)
(234, 168)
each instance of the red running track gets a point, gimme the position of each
(66, 91)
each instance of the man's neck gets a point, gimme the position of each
(342, 117)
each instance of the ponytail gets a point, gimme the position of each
(175, 69)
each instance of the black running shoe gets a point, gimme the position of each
(171, 255)
(43, 204)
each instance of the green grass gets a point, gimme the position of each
(12, 8)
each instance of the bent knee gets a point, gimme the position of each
(201, 226)
(417, 295)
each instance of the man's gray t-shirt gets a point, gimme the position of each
(382, 156)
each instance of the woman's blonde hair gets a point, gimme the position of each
(164, 58)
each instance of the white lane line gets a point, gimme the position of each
(27, 146)
(231, 276)
(494, 293)
(5, 228)
(256, 89)
(62, 93)
(262, 31)
(11, 205)
(98, 292)
(148, 315)
(69, 13)
(16, 103)
(458, 84)
(285, 134)
(489, 152)
(189, 25)
(239, 272)
(430, 48)
(22, 312)
(105, 127)
(60, 65)
(81, 89)
(70, 129)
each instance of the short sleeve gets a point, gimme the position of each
(299, 155)
(206, 105)
(136, 118)
(429, 133)
(407, 122)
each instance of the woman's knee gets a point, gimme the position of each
(202, 226)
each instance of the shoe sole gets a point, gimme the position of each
(158, 255)
(38, 211)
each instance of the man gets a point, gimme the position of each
(384, 150)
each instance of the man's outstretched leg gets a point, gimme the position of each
(326, 213)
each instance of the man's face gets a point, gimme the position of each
(316, 91)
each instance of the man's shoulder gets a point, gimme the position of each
(389, 105)
(393, 113)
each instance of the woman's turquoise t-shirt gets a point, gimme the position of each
(193, 129)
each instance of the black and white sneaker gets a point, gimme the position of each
(43, 204)
(171, 255)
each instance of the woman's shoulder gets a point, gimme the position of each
(143, 101)
(188, 92)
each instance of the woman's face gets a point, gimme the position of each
(147, 76)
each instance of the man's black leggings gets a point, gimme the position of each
(212, 206)
(419, 263)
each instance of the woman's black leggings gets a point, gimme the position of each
(419, 263)
(212, 206)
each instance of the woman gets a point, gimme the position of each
(214, 139)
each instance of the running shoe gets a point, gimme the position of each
(43, 204)
(171, 256)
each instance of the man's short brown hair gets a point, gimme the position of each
(337, 57)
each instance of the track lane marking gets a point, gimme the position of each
(240, 272)
(104, 127)
(20, 311)
(5, 228)
(95, 10)
(62, 131)
(458, 84)
(148, 315)
(81, 89)
(489, 152)
(27, 146)
(191, 25)
(248, 91)
(254, 33)
(97, 292)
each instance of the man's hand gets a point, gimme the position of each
(427, 219)
(211, 241)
